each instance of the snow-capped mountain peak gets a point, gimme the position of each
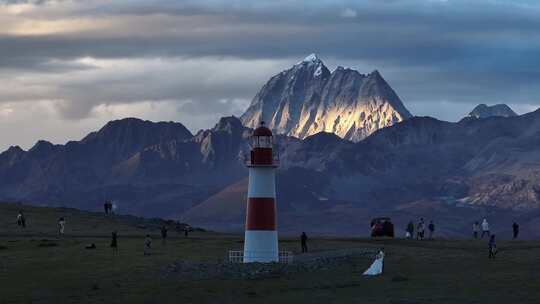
(308, 99)
(311, 58)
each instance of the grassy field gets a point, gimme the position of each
(38, 267)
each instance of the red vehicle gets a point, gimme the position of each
(382, 226)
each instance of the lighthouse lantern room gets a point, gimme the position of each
(261, 239)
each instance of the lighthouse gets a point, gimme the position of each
(261, 240)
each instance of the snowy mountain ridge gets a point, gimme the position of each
(484, 111)
(307, 99)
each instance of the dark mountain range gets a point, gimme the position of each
(349, 150)
(148, 168)
(307, 99)
(453, 172)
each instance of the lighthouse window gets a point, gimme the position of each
(263, 141)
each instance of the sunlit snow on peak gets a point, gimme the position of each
(311, 58)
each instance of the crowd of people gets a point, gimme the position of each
(418, 231)
(479, 230)
(484, 227)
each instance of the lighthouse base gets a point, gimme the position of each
(261, 246)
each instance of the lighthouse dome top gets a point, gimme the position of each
(262, 130)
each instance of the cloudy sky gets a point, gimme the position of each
(67, 67)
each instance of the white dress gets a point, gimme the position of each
(377, 267)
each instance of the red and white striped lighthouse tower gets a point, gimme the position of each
(261, 240)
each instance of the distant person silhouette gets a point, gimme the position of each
(110, 208)
(163, 234)
(431, 228)
(476, 229)
(420, 228)
(492, 247)
(61, 225)
(303, 241)
(485, 229)
(186, 231)
(147, 245)
(21, 220)
(114, 242)
(515, 230)
(410, 230)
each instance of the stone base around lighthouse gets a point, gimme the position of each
(261, 246)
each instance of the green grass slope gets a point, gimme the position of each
(440, 271)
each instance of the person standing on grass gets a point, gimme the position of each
(492, 247)
(485, 228)
(23, 220)
(431, 228)
(475, 229)
(515, 230)
(377, 267)
(19, 218)
(420, 228)
(61, 226)
(410, 230)
(303, 241)
(147, 245)
(186, 231)
(114, 242)
(163, 234)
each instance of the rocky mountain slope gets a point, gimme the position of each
(484, 111)
(149, 168)
(307, 99)
(453, 172)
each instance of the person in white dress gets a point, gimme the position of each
(377, 267)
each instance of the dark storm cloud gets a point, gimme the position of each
(449, 53)
(406, 34)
